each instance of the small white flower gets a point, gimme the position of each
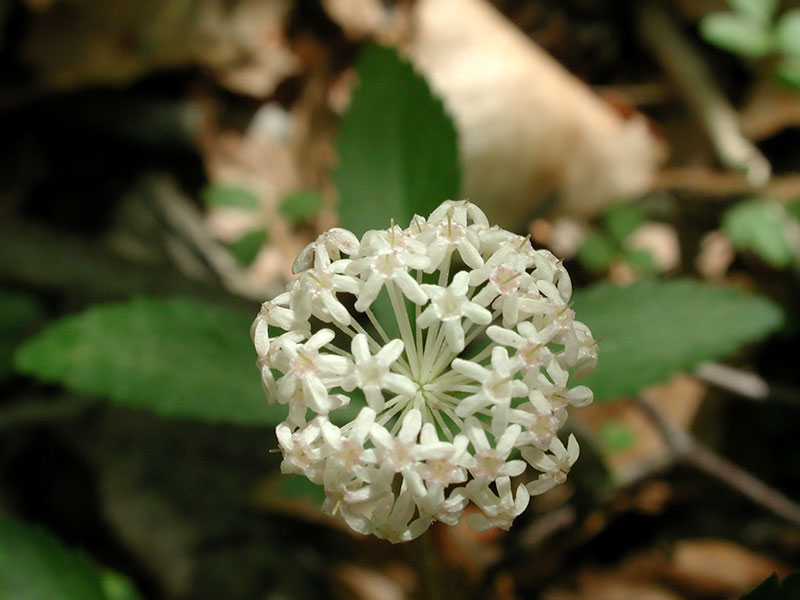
(478, 376)
(448, 306)
(373, 373)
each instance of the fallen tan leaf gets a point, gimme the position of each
(368, 584)
(612, 585)
(527, 127)
(715, 567)
(678, 401)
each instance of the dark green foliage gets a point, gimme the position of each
(397, 146)
(651, 330)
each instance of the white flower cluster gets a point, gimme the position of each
(471, 394)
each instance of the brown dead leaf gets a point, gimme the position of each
(769, 110)
(368, 584)
(527, 127)
(678, 401)
(261, 161)
(612, 585)
(73, 43)
(716, 567)
(661, 241)
(466, 550)
(715, 257)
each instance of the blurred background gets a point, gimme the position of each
(162, 162)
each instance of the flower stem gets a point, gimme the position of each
(425, 555)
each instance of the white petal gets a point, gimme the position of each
(506, 443)
(380, 437)
(454, 334)
(331, 434)
(412, 423)
(369, 291)
(399, 384)
(470, 404)
(411, 288)
(360, 348)
(471, 369)
(336, 308)
(460, 283)
(475, 433)
(319, 339)
(477, 314)
(506, 337)
(427, 318)
(512, 468)
(374, 398)
(469, 254)
(390, 353)
(261, 337)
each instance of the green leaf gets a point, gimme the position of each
(616, 437)
(247, 247)
(787, 33)
(178, 358)
(397, 146)
(118, 587)
(641, 260)
(788, 72)
(301, 206)
(651, 330)
(36, 566)
(20, 314)
(761, 226)
(736, 34)
(621, 221)
(230, 196)
(772, 589)
(597, 252)
(760, 11)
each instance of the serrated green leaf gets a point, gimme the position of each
(178, 358)
(301, 206)
(597, 251)
(761, 11)
(397, 146)
(247, 247)
(229, 196)
(761, 226)
(772, 589)
(19, 315)
(651, 330)
(36, 566)
(787, 33)
(736, 34)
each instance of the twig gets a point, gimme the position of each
(733, 380)
(746, 385)
(685, 448)
(182, 217)
(717, 185)
(696, 84)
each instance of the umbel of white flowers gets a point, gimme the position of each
(471, 394)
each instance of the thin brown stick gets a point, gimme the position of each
(695, 83)
(719, 185)
(685, 448)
